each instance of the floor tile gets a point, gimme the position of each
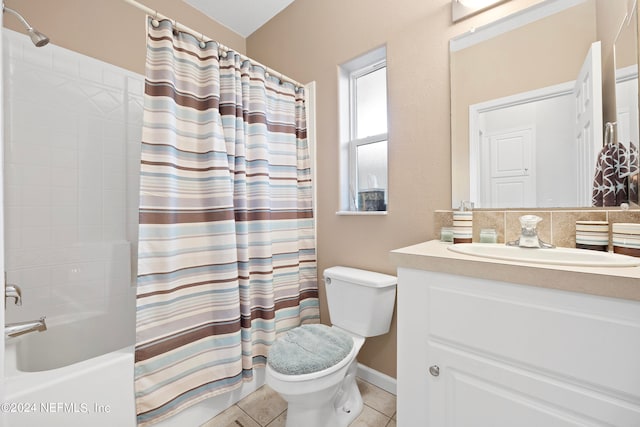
(232, 417)
(378, 399)
(263, 405)
(265, 408)
(280, 421)
(370, 418)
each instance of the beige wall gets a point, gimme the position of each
(308, 41)
(111, 30)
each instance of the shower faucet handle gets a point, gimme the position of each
(13, 291)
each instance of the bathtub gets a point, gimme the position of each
(77, 373)
(54, 379)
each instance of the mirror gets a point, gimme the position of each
(626, 78)
(515, 139)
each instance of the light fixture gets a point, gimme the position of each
(461, 9)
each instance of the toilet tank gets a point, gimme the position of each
(360, 301)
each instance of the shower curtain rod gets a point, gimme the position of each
(184, 28)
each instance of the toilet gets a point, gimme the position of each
(313, 367)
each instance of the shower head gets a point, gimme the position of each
(36, 36)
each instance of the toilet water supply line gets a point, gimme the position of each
(203, 38)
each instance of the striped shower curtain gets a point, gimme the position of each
(227, 248)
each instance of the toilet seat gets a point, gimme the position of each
(311, 351)
(314, 375)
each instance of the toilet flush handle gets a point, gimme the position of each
(434, 370)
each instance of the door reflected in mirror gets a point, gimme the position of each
(519, 145)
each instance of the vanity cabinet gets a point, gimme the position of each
(474, 352)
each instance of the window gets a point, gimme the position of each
(363, 129)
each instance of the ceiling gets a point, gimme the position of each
(241, 16)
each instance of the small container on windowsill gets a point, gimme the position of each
(371, 200)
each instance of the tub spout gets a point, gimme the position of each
(21, 328)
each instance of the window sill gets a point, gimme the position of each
(361, 213)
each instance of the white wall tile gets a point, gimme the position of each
(114, 79)
(12, 194)
(65, 158)
(63, 139)
(34, 196)
(34, 278)
(36, 237)
(12, 238)
(91, 71)
(63, 178)
(135, 86)
(64, 235)
(28, 258)
(66, 65)
(70, 178)
(36, 217)
(36, 175)
(89, 233)
(35, 56)
(90, 207)
(63, 216)
(66, 195)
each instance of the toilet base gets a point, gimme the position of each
(339, 411)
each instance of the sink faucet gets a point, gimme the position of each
(13, 291)
(529, 234)
(21, 328)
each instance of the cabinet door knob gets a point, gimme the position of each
(434, 370)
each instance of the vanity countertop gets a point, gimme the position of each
(622, 282)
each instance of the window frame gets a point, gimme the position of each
(353, 164)
(350, 72)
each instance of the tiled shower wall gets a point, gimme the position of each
(557, 226)
(72, 135)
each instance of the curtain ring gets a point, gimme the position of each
(154, 21)
(203, 44)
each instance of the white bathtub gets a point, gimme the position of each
(47, 382)
(79, 372)
(97, 392)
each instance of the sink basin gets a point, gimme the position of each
(555, 256)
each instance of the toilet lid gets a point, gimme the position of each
(309, 348)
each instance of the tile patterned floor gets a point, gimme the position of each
(265, 408)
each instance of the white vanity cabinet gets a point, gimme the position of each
(484, 353)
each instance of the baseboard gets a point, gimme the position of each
(376, 378)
